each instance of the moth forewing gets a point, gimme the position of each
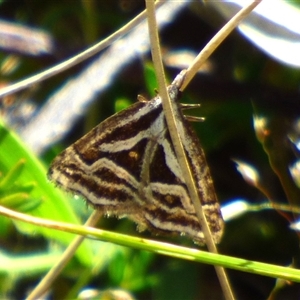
(203, 179)
(127, 166)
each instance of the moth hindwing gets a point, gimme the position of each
(126, 166)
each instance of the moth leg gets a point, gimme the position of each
(189, 105)
(194, 119)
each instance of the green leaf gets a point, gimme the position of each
(21, 166)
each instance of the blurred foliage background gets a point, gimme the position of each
(238, 83)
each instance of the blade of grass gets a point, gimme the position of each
(167, 249)
(54, 203)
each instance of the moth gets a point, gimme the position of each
(126, 166)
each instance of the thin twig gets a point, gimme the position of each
(180, 153)
(216, 41)
(13, 88)
(49, 278)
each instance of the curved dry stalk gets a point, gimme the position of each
(178, 146)
(13, 88)
(216, 41)
(49, 278)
